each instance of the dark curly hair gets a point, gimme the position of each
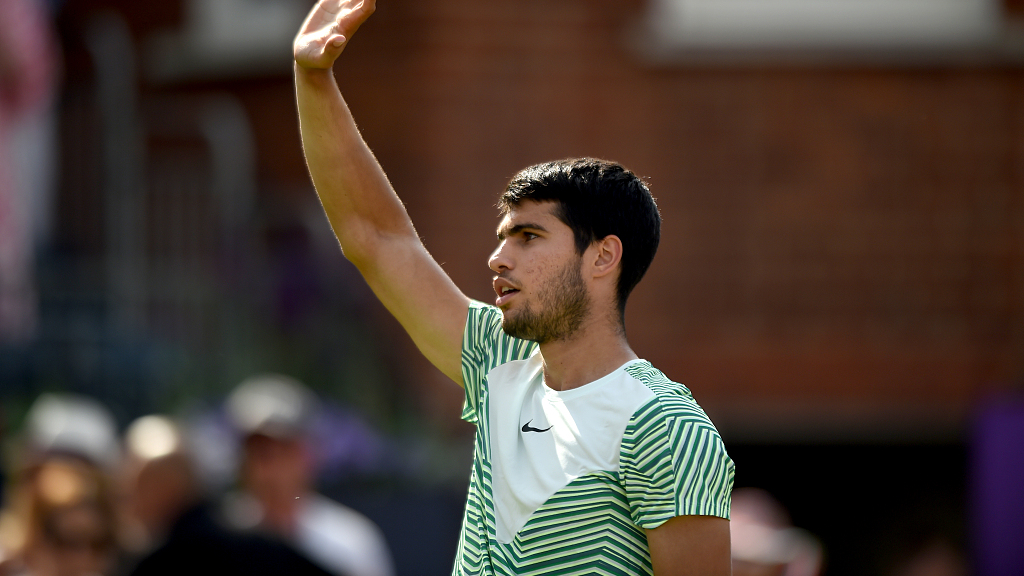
(596, 198)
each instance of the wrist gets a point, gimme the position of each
(313, 74)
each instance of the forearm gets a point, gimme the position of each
(368, 218)
(360, 203)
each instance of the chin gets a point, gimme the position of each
(513, 328)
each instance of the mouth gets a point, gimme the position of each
(505, 291)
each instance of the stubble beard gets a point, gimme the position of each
(564, 304)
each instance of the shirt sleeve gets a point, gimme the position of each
(673, 463)
(484, 346)
(477, 343)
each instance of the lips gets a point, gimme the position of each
(505, 291)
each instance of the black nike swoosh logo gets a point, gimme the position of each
(528, 428)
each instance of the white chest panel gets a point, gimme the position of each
(543, 439)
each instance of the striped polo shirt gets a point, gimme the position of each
(565, 482)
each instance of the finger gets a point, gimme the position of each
(333, 46)
(366, 8)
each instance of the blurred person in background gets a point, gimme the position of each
(29, 65)
(765, 543)
(61, 522)
(71, 425)
(176, 524)
(60, 515)
(273, 413)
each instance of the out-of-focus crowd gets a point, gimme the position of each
(82, 500)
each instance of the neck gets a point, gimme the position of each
(281, 514)
(593, 351)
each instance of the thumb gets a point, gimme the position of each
(333, 45)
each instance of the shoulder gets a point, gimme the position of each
(670, 420)
(486, 312)
(486, 345)
(341, 538)
(673, 461)
(322, 514)
(669, 398)
(483, 324)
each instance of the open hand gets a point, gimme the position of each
(327, 29)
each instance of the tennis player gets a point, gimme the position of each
(588, 460)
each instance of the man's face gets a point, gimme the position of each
(276, 468)
(539, 285)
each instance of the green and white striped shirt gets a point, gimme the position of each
(565, 482)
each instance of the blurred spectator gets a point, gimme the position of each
(60, 517)
(165, 500)
(764, 542)
(925, 537)
(937, 557)
(60, 522)
(70, 425)
(28, 72)
(274, 413)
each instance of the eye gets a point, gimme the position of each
(527, 236)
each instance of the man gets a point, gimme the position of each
(165, 500)
(273, 413)
(59, 517)
(587, 459)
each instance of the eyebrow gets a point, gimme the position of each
(513, 230)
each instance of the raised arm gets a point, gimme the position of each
(367, 216)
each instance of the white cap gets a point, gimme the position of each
(271, 405)
(72, 424)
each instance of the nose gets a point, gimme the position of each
(499, 259)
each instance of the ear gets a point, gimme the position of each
(607, 255)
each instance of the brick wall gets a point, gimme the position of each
(843, 247)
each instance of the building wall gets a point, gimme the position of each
(843, 246)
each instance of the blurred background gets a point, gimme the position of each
(840, 280)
